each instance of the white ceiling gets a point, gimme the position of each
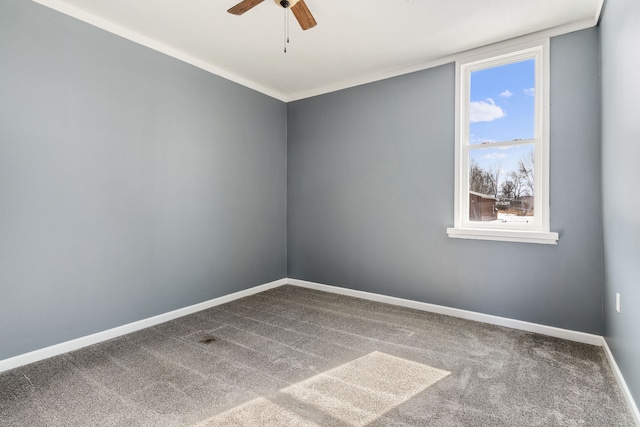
(355, 41)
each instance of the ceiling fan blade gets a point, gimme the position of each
(303, 15)
(243, 6)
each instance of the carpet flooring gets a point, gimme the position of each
(297, 357)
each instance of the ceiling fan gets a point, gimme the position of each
(298, 7)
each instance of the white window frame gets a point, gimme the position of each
(539, 231)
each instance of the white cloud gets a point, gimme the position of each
(485, 111)
(506, 94)
(530, 92)
(493, 156)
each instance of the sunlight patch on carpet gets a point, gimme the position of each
(355, 393)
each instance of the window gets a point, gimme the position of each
(502, 146)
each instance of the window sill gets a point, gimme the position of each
(540, 237)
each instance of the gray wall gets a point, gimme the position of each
(131, 183)
(370, 195)
(620, 44)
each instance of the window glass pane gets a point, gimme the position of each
(501, 184)
(502, 103)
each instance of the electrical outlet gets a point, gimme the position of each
(618, 303)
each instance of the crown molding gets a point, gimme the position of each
(435, 62)
(62, 7)
(111, 27)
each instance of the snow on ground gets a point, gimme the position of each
(502, 217)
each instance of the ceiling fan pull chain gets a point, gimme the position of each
(286, 39)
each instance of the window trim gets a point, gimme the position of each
(539, 231)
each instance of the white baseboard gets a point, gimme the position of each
(455, 312)
(54, 350)
(621, 382)
(567, 334)
(78, 343)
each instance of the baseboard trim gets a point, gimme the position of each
(621, 382)
(567, 334)
(78, 343)
(552, 331)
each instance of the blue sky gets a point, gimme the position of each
(502, 109)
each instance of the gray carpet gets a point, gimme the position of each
(298, 357)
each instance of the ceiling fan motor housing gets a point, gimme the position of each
(286, 3)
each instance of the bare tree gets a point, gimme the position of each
(507, 190)
(482, 181)
(518, 184)
(496, 169)
(475, 177)
(526, 170)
